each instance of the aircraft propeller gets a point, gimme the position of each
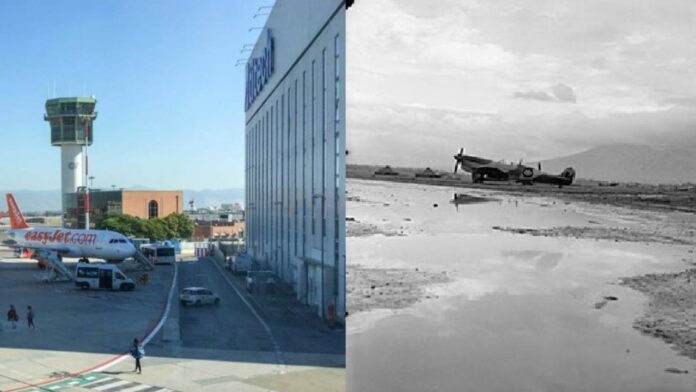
(458, 159)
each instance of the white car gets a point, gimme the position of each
(264, 280)
(198, 296)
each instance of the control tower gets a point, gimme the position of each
(71, 129)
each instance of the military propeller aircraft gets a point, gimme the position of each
(486, 169)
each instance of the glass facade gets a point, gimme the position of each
(101, 203)
(69, 118)
(295, 165)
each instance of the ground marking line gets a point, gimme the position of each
(153, 331)
(136, 388)
(279, 354)
(112, 385)
(96, 382)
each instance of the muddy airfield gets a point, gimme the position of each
(518, 290)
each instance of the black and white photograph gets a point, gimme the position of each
(521, 196)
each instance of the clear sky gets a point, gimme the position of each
(170, 99)
(511, 79)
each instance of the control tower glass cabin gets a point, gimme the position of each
(71, 128)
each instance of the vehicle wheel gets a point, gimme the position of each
(124, 287)
(183, 303)
(198, 302)
(217, 301)
(85, 286)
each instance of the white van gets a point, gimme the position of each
(241, 263)
(101, 276)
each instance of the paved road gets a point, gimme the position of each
(228, 326)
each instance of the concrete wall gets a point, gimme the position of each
(136, 202)
(295, 153)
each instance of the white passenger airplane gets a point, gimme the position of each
(104, 244)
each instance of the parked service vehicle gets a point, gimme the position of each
(241, 263)
(101, 276)
(198, 296)
(159, 253)
(260, 280)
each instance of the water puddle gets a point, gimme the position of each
(521, 312)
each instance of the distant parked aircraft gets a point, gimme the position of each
(483, 169)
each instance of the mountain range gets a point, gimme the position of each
(630, 163)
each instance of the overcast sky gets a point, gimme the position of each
(505, 79)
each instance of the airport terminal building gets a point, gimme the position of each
(144, 204)
(295, 150)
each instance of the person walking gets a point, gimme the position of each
(137, 352)
(30, 317)
(12, 316)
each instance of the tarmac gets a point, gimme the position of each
(80, 334)
(75, 329)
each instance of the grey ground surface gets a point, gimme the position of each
(206, 348)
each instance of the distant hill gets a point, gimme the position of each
(34, 201)
(630, 163)
(50, 200)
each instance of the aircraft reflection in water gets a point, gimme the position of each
(485, 169)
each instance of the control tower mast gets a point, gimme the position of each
(71, 129)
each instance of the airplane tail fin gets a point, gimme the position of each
(569, 173)
(16, 218)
